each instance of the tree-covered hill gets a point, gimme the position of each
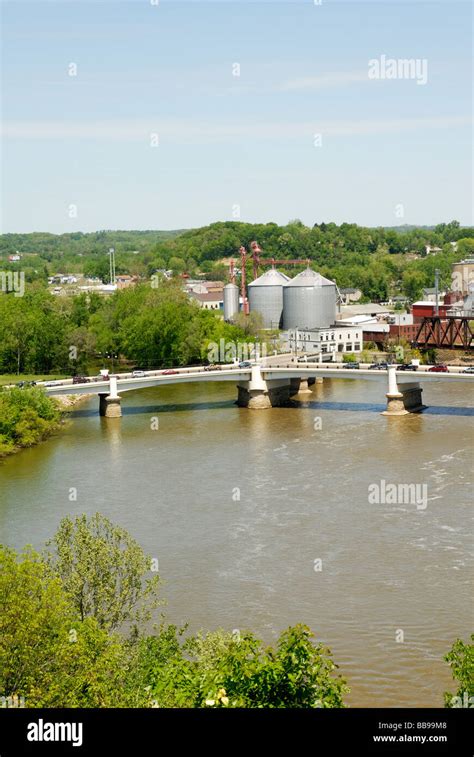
(379, 261)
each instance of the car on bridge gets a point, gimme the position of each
(407, 367)
(80, 379)
(469, 369)
(169, 372)
(438, 369)
(351, 365)
(138, 374)
(378, 367)
(245, 364)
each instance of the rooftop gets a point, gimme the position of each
(207, 296)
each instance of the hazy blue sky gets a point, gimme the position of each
(392, 151)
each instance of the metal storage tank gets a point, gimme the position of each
(309, 301)
(266, 297)
(231, 301)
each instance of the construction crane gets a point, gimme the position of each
(256, 261)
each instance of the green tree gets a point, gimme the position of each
(26, 416)
(47, 654)
(413, 283)
(236, 670)
(104, 570)
(461, 661)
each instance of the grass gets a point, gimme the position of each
(13, 378)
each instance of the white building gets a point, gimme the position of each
(326, 343)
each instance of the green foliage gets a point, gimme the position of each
(26, 416)
(58, 646)
(461, 661)
(234, 670)
(349, 357)
(413, 283)
(373, 259)
(47, 655)
(104, 571)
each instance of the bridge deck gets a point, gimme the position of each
(126, 383)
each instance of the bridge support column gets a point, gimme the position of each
(412, 397)
(109, 404)
(403, 399)
(258, 394)
(300, 386)
(109, 407)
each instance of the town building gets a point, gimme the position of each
(324, 343)
(208, 300)
(124, 280)
(427, 309)
(429, 295)
(349, 295)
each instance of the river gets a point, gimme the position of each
(238, 504)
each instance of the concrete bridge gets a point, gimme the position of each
(263, 385)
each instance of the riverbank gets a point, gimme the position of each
(28, 417)
(68, 402)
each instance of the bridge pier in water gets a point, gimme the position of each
(258, 394)
(402, 399)
(300, 386)
(109, 404)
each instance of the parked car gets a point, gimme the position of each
(80, 379)
(469, 369)
(438, 369)
(138, 374)
(245, 364)
(169, 372)
(406, 367)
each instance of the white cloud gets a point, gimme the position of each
(187, 131)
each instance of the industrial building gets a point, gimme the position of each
(309, 301)
(463, 276)
(266, 297)
(231, 301)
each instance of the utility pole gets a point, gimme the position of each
(437, 291)
(112, 264)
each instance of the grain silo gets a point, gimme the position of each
(231, 301)
(266, 297)
(309, 301)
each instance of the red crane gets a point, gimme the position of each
(257, 261)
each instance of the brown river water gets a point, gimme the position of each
(238, 504)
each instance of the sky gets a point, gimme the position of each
(162, 114)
